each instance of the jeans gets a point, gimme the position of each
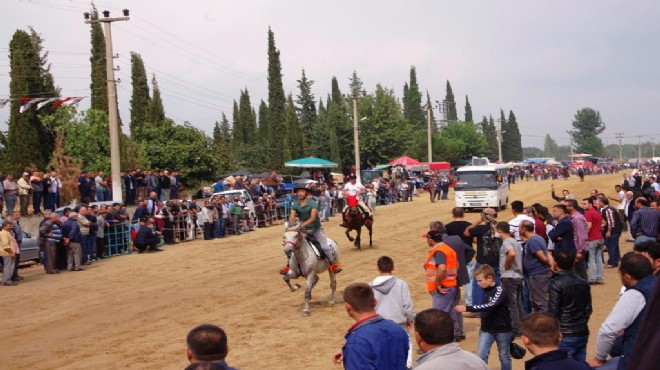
(468, 287)
(527, 304)
(99, 195)
(477, 291)
(446, 303)
(85, 246)
(613, 253)
(10, 203)
(580, 266)
(644, 238)
(36, 201)
(217, 228)
(503, 347)
(538, 291)
(595, 261)
(575, 346)
(513, 288)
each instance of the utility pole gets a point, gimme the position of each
(113, 122)
(619, 135)
(499, 132)
(356, 139)
(430, 133)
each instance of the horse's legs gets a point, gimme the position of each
(348, 230)
(312, 279)
(292, 287)
(333, 287)
(370, 227)
(357, 239)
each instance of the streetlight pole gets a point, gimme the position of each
(429, 134)
(619, 135)
(356, 139)
(113, 122)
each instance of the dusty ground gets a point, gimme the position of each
(135, 311)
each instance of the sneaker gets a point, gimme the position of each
(284, 270)
(10, 283)
(335, 268)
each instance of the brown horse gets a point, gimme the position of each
(355, 219)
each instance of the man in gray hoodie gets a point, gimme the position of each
(393, 300)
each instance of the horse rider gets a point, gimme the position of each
(352, 188)
(307, 210)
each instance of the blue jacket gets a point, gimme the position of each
(644, 286)
(554, 360)
(563, 230)
(376, 344)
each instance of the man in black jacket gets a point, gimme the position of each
(146, 239)
(569, 300)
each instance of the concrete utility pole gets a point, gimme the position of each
(619, 135)
(356, 139)
(430, 133)
(499, 133)
(113, 121)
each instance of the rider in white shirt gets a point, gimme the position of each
(352, 188)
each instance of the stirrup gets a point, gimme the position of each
(335, 268)
(284, 270)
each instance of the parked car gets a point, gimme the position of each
(29, 248)
(238, 193)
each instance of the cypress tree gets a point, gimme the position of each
(412, 102)
(99, 84)
(468, 110)
(222, 145)
(247, 119)
(295, 136)
(490, 132)
(514, 141)
(28, 143)
(156, 112)
(264, 128)
(276, 105)
(237, 127)
(451, 104)
(140, 95)
(306, 110)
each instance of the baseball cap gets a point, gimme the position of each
(433, 234)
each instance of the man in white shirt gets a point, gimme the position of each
(517, 208)
(353, 189)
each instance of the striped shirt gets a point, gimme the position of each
(645, 221)
(580, 231)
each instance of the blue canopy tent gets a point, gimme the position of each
(311, 162)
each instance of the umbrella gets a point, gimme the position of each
(405, 161)
(311, 162)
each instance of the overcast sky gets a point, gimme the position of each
(542, 59)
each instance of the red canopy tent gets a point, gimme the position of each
(405, 161)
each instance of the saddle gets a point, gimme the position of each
(316, 247)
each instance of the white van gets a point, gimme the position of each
(482, 187)
(238, 193)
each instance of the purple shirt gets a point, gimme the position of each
(580, 231)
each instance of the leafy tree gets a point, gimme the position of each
(99, 75)
(451, 104)
(324, 141)
(412, 102)
(306, 107)
(385, 134)
(587, 125)
(276, 105)
(341, 121)
(475, 144)
(237, 127)
(29, 142)
(468, 110)
(550, 146)
(140, 95)
(264, 128)
(156, 111)
(511, 139)
(532, 152)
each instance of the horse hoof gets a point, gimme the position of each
(331, 303)
(306, 313)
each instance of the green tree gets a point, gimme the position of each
(587, 125)
(247, 119)
(222, 147)
(340, 120)
(468, 110)
(296, 138)
(385, 133)
(276, 105)
(264, 128)
(475, 144)
(156, 111)
(450, 104)
(511, 139)
(140, 95)
(306, 107)
(490, 133)
(29, 142)
(412, 102)
(237, 127)
(355, 85)
(550, 146)
(99, 84)
(532, 152)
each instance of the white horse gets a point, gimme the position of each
(304, 262)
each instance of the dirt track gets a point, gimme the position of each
(135, 311)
